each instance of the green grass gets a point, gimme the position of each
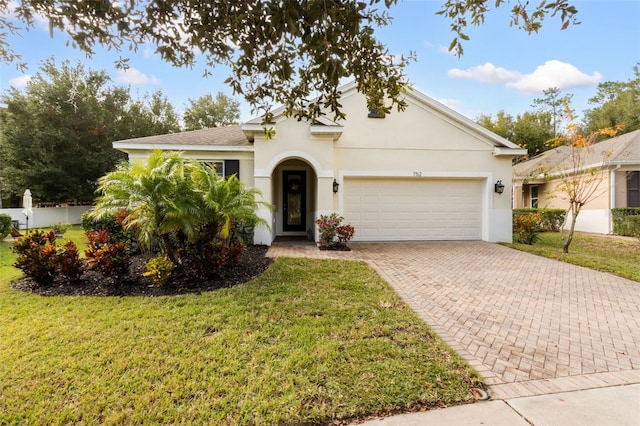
(619, 256)
(309, 341)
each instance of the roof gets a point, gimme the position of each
(620, 150)
(226, 136)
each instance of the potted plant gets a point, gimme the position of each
(333, 235)
(60, 229)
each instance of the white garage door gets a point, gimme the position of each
(414, 209)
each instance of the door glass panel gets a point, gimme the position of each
(294, 200)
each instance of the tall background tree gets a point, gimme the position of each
(530, 130)
(616, 102)
(279, 51)
(57, 133)
(206, 112)
(557, 106)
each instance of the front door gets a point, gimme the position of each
(294, 200)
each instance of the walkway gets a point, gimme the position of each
(529, 325)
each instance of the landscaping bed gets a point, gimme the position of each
(252, 263)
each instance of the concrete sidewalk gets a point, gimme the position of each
(618, 405)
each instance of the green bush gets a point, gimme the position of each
(621, 223)
(550, 219)
(633, 224)
(5, 226)
(526, 227)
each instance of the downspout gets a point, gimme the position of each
(612, 195)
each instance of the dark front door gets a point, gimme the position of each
(294, 200)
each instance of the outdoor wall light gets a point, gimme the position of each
(499, 187)
(336, 185)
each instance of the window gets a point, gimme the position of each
(225, 168)
(218, 165)
(534, 196)
(633, 189)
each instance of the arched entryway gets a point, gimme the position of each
(294, 197)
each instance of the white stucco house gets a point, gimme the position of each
(427, 173)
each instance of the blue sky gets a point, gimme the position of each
(502, 68)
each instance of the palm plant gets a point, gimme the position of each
(170, 196)
(226, 201)
(157, 194)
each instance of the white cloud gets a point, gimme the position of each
(554, 74)
(487, 73)
(21, 81)
(135, 77)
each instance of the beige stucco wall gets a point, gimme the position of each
(416, 144)
(552, 197)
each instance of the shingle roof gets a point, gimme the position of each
(623, 149)
(227, 136)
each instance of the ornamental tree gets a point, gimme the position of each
(581, 174)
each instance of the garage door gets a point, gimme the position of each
(414, 209)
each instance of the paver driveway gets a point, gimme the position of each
(528, 324)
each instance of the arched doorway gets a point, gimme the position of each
(294, 189)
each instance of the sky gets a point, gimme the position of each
(502, 69)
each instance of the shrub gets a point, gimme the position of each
(526, 227)
(332, 232)
(242, 233)
(633, 225)
(204, 258)
(37, 256)
(550, 220)
(159, 268)
(113, 224)
(107, 257)
(60, 228)
(345, 233)
(621, 216)
(6, 225)
(68, 262)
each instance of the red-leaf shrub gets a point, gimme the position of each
(110, 259)
(37, 253)
(69, 263)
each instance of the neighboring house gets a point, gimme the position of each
(615, 161)
(427, 173)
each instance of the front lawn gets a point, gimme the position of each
(309, 341)
(620, 256)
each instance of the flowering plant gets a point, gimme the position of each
(332, 233)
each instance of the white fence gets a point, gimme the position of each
(47, 216)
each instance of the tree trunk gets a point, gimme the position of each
(575, 210)
(168, 248)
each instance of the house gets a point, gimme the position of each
(427, 173)
(614, 162)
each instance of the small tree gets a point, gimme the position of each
(580, 176)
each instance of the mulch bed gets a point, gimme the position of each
(253, 262)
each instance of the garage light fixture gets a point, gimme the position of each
(336, 185)
(499, 187)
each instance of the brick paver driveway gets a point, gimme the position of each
(529, 325)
